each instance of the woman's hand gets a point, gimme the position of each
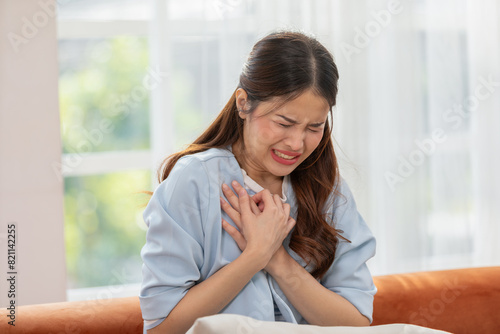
(262, 222)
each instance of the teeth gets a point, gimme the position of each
(284, 156)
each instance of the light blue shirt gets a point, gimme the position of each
(186, 244)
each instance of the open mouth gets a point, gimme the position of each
(285, 159)
(284, 156)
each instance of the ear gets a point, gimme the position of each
(241, 102)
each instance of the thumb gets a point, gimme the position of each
(290, 224)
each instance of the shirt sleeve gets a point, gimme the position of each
(349, 275)
(173, 253)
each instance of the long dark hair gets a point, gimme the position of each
(284, 65)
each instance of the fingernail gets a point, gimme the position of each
(235, 184)
(225, 187)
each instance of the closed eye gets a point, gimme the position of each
(285, 125)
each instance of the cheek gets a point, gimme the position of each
(313, 140)
(265, 133)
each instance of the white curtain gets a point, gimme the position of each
(417, 124)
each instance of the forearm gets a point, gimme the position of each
(210, 296)
(317, 304)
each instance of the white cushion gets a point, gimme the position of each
(238, 324)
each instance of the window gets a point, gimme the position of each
(395, 91)
(104, 84)
(122, 113)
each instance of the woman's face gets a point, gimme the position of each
(277, 142)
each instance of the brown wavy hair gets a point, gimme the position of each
(283, 65)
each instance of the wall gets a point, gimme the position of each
(31, 192)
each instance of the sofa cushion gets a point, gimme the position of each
(231, 323)
(459, 301)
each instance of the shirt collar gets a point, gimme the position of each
(250, 184)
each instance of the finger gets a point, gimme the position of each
(234, 199)
(244, 200)
(232, 213)
(267, 198)
(236, 186)
(290, 224)
(257, 199)
(235, 234)
(231, 197)
(278, 202)
(254, 207)
(286, 207)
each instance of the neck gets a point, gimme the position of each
(268, 181)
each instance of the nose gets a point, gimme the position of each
(295, 140)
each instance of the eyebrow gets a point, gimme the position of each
(316, 125)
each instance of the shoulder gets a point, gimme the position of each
(201, 161)
(340, 198)
(204, 159)
(211, 154)
(345, 193)
(198, 171)
(345, 213)
(193, 185)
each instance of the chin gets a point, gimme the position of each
(284, 171)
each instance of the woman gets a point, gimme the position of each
(253, 217)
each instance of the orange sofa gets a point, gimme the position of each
(460, 301)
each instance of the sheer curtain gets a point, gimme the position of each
(417, 122)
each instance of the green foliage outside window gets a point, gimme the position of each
(102, 81)
(104, 230)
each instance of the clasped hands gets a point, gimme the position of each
(262, 222)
